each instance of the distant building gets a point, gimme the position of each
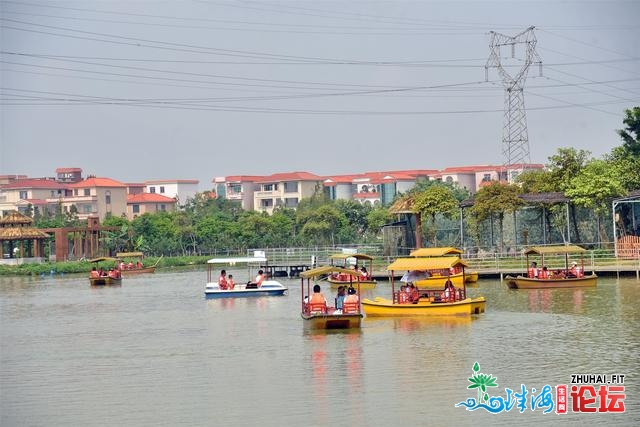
(98, 197)
(69, 175)
(141, 203)
(43, 193)
(284, 189)
(239, 188)
(179, 189)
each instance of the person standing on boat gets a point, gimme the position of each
(575, 271)
(222, 280)
(533, 270)
(230, 283)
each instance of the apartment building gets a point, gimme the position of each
(96, 196)
(178, 189)
(284, 189)
(141, 203)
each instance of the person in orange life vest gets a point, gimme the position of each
(351, 295)
(230, 283)
(139, 264)
(130, 265)
(94, 272)
(364, 272)
(121, 265)
(222, 280)
(317, 302)
(414, 295)
(533, 271)
(403, 296)
(575, 271)
(544, 273)
(259, 278)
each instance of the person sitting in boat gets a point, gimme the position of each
(317, 302)
(139, 264)
(259, 278)
(130, 265)
(340, 296)
(121, 265)
(414, 295)
(544, 273)
(403, 296)
(94, 273)
(230, 283)
(364, 272)
(222, 281)
(352, 296)
(532, 273)
(449, 291)
(575, 271)
(102, 273)
(559, 274)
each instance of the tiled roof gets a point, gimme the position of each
(290, 176)
(173, 181)
(97, 182)
(149, 198)
(35, 183)
(243, 178)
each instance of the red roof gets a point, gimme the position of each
(97, 182)
(242, 178)
(291, 176)
(35, 183)
(149, 198)
(68, 170)
(173, 181)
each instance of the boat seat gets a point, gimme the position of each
(350, 307)
(317, 307)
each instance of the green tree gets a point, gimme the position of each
(497, 199)
(594, 187)
(436, 199)
(320, 226)
(376, 219)
(631, 133)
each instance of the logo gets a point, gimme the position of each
(587, 393)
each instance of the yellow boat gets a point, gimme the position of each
(543, 278)
(469, 277)
(341, 315)
(337, 279)
(432, 301)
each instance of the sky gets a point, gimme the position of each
(146, 90)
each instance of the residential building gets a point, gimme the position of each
(43, 193)
(180, 189)
(69, 175)
(141, 203)
(239, 188)
(98, 197)
(284, 189)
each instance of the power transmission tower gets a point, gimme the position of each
(515, 139)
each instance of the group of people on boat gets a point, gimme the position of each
(114, 273)
(533, 272)
(227, 283)
(346, 301)
(410, 294)
(364, 274)
(129, 266)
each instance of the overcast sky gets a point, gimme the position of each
(142, 90)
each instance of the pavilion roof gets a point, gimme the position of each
(15, 218)
(22, 233)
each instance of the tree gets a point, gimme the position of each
(631, 134)
(594, 187)
(496, 199)
(436, 199)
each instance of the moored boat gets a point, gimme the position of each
(268, 287)
(426, 301)
(364, 276)
(321, 315)
(570, 276)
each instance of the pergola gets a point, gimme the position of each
(16, 232)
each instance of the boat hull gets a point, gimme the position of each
(364, 284)
(470, 277)
(521, 282)
(269, 288)
(135, 271)
(437, 282)
(103, 281)
(332, 321)
(385, 307)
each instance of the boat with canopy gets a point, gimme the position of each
(345, 315)
(268, 287)
(469, 277)
(428, 299)
(561, 266)
(361, 263)
(101, 276)
(131, 263)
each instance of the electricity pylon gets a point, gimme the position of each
(515, 139)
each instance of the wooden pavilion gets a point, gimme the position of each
(17, 232)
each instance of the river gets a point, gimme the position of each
(156, 352)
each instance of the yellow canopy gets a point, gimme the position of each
(328, 269)
(422, 264)
(130, 254)
(546, 250)
(356, 256)
(425, 252)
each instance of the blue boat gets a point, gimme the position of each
(269, 287)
